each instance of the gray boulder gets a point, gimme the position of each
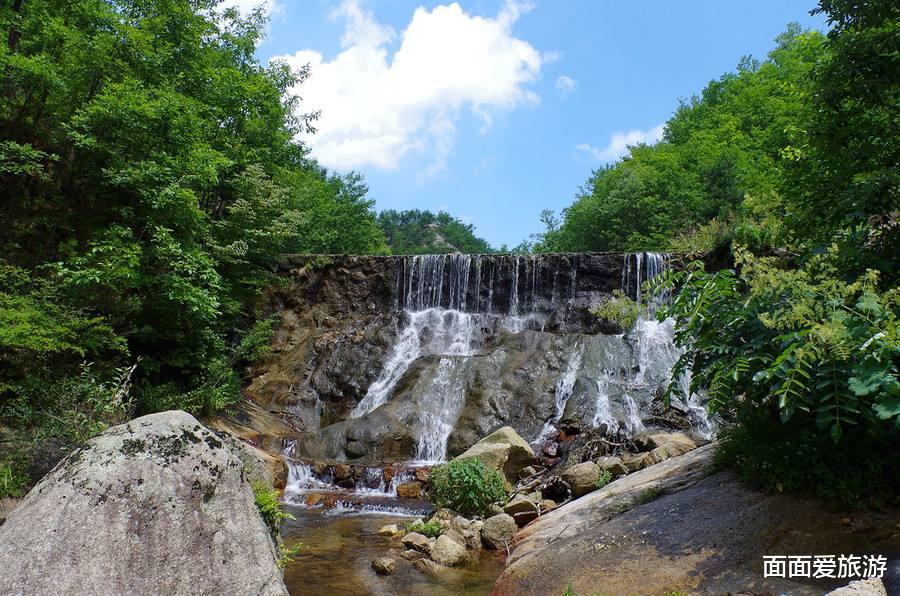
(498, 531)
(159, 505)
(448, 552)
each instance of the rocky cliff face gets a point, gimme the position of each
(397, 358)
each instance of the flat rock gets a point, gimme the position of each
(676, 527)
(159, 505)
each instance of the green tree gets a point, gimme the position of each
(149, 178)
(845, 176)
(423, 232)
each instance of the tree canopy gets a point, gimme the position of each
(149, 177)
(423, 232)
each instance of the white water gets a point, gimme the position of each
(442, 302)
(451, 334)
(603, 414)
(563, 391)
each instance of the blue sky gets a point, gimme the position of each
(495, 110)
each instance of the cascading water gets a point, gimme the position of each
(656, 349)
(449, 302)
(563, 391)
(443, 306)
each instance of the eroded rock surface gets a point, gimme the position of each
(160, 505)
(675, 527)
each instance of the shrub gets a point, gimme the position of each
(804, 361)
(13, 480)
(269, 506)
(619, 309)
(466, 486)
(431, 529)
(604, 478)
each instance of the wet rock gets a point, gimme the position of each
(412, 555)
(341, 472)
(314, 499)
(448, 552)
(613, 465)
(416, 541)
(409, 490)
(502, 450)
(429, 567)
(389, 530)
(498, 531)
(422, 474)
(582, 478)
(384, 565)
(158, 505)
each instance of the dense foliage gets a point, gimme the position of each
(148, 181)
(416, 232)
(814, 356)
(466, 486)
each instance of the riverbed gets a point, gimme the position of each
(338, 549)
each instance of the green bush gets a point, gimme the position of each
(619, 309)
(269, 506)
(805, 363)
(13, 480)
(604, 478)
(466, 486)
(431, 529)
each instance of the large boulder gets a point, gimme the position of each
(502, 450)
(159, 505)
(679, 527)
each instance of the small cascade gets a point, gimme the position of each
(563, 391)
(656, 349)
(450, 332)
(603, 414)
(438, 414)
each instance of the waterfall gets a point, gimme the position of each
(563, 391)
(655, 347)
(439, 413)
(451, 332)
(448, 304)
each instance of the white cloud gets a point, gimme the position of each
(565, 85)
(621, 141)
(378, 107)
